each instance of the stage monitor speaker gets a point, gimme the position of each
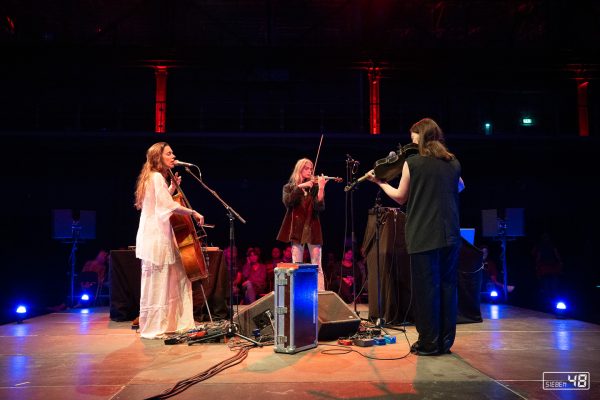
(73, 224)
(336, 318)
(257, 315)
(507, 222)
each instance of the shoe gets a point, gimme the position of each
(418, 350)
(135, 324)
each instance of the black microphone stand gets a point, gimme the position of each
(351, 166)
(232, 329)
(75, 233)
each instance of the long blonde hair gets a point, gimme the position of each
(431, 139)
(296, 177)
(153, 163)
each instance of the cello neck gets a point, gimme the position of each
(184, 199)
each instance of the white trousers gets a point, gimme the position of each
(315, 258)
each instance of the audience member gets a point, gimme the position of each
(345, 279)
(93, 273)
(251, 280)
(276, 258)
(287, 255)
(490, 272)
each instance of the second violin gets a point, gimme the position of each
(389, 167)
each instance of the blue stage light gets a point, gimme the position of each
(493, 294)
(21, 312)
(560, 309)
(85, 297)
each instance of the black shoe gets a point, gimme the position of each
(135, 324)
(418, 350)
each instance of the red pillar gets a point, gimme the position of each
(160, 72)
(582, 107)
(374, 83)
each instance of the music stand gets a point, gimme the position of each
(506, 226)
(232, 329)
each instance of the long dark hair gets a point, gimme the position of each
(431, 139)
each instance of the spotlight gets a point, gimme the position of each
(21, 312)
(84, 301)
(560, 309)
(494, 296)
(487, 127)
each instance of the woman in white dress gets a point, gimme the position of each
(166, 305)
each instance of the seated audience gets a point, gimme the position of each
(251, 280)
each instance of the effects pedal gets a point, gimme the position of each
(379, 341)
(363, 342)
(345, 342)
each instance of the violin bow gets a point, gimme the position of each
(317, 158)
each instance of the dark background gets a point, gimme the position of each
(252, 85)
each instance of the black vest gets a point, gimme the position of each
(432, 220)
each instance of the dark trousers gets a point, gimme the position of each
(435, 297)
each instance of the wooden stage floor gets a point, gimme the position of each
(78, 355)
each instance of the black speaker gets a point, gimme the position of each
(469, 284)
(336, 318)
(125, 285)
(257, 315)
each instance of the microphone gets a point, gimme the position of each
(351, 160)
(184, 164)
(362, 178)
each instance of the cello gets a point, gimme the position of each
(187, 237)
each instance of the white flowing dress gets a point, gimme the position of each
(166, 304)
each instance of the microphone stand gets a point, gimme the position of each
(75, 231)
(351, 166)
(232, 329)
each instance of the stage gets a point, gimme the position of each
(77, 355)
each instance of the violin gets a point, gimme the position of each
(389, 167)
(327, 178)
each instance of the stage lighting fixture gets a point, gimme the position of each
(85, 297)
(494, 296)
(21, 312)
(560, 309)
(487, 128)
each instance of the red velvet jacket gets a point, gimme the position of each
(301, 222)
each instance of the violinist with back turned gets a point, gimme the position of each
(429, 186)
(166, 304)
(304, 198)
